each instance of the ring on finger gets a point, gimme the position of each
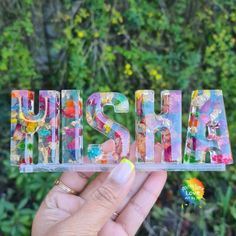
(65, 188)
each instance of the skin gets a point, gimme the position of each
(90, 213)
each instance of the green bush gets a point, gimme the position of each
(120, 46)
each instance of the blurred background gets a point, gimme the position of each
(120, 46)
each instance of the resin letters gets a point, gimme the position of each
(207, 136)
(113, 130)
(207, 146)
(24, 124)
(168, 123)
(72, 129)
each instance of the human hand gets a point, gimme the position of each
(90, 213)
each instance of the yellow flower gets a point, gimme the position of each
(116, 17)
(153, 72)
(130, 72)
(128, 69)
(81, 34)
(127, 66)
(107, 128)
(158, 76)
(31, 127)
(96, 35)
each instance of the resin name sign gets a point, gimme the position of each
(207, 145)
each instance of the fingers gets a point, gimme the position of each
(102, 176)
(140, 205)
(140, 177)
(74, 180)
(104, 200)
(98, 181)
(64, 201)
(107, 147)
(78, 180)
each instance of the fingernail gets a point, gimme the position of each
(121, 173)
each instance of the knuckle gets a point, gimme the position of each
(49, 200)
(105, 196)
(139, 210)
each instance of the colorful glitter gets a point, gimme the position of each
(207, 144)
(207, 136)
(168, 123)
(24, 124)
(72, 128)
(113, 130)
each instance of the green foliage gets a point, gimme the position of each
(120, 46)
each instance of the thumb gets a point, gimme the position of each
(104, 201)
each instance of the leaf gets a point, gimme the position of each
(22, 204)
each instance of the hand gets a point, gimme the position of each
(130, 194)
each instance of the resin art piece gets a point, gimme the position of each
(72, 128)
(58, 126)
(113, 130)
(207, 135)
(168, 123)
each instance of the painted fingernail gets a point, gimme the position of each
(121, 173)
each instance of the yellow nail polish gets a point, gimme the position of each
(122, 172)
(125, 160)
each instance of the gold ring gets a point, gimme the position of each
(64, 187)
(114, 215)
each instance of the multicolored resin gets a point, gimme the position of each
(168, 123)
(207, 145)
(24, 124)
(113, 130)
(72, 128)
(207, 135)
